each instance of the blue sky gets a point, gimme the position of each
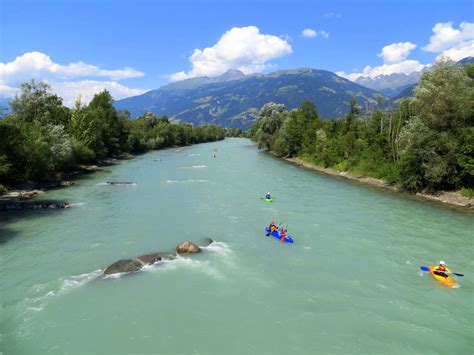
(131, 46)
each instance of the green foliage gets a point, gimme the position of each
(426, 144)
(42, 139)
(35, 102)
(467, 192)
(270, 119)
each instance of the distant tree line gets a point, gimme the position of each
(427, 144)
(41, 138)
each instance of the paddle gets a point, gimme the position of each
(426, 268)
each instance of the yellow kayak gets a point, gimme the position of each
(448, 280)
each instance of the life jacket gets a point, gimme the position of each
(441, 268)
(272, 228)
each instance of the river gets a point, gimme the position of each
(349, 284)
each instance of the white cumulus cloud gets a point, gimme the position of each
(446, 37)
(308, 32)
(242, 48)
(461, 51)
(396, 52)
(40, 65)
(452, 43)
(70, 90)
(61, 77)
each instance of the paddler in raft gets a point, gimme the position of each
(268, 196)
(441, 269)
(272, 227)
(282, 234)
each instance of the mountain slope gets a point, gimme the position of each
(467, 60)
(235, 103)
(5, 106)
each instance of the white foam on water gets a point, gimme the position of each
(72, 282)
(187, 263)
(220, 248)
(36, 309)
(194, 155)
(188, 181)
(194, 167)
(38, 303)
(78, 204)
(224, 254)
(115, 276)
(68, 283)
(306, 247)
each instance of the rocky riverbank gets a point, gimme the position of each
(445, 197)
(20, 198)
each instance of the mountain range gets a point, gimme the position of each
(390, 85)
(233, 99)
(398, 85)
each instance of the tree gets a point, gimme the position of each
(292, 133)
(435, 144)
(444, 97)
(270, 119)
(35, 102)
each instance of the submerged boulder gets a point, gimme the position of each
(120, 183)
(125, 265)
(187, 248)
(208, 241)
(150, 259)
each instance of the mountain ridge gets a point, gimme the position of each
(234, 100)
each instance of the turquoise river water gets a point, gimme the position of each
(350, 284)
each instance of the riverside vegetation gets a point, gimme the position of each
(427, 144)
(41, 139)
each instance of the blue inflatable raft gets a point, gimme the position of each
(277, 235)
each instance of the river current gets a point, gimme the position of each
(349, 284)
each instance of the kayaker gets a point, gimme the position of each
(282, 234)
(268, 196)
(272, 227)
(441, 269)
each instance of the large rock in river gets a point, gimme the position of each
(125, 265)
(149, 259)
(187, 248)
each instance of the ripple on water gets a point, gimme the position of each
(187, 181)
